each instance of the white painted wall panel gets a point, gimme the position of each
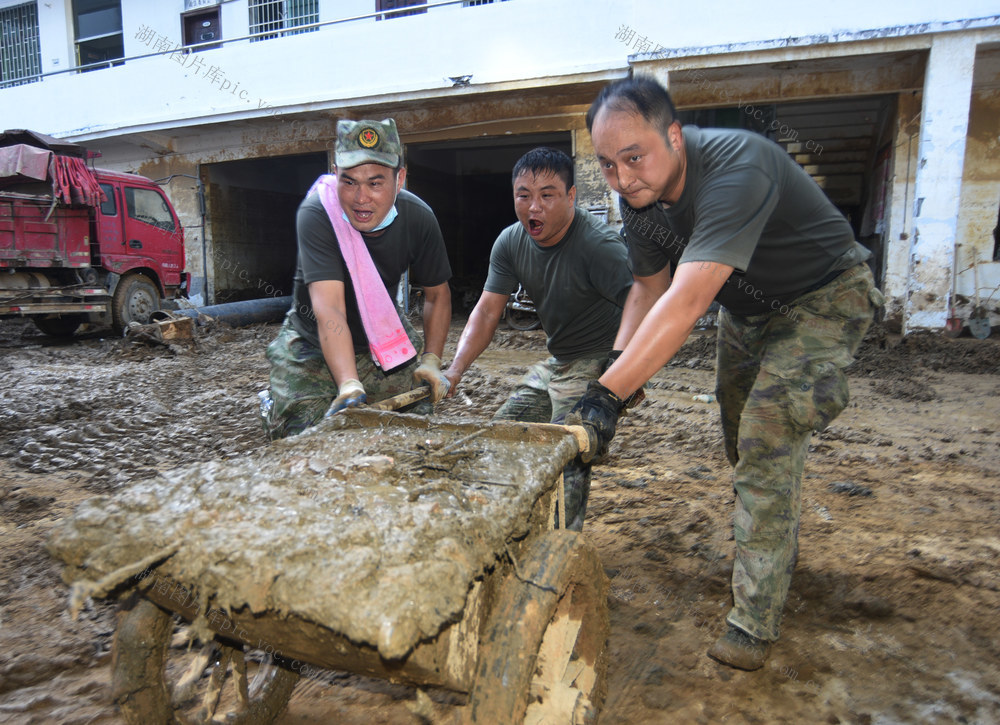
(504, 42)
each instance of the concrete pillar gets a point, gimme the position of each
(943, 128)
(591, 189)
(896, 273)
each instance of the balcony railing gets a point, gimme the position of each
(179, 48)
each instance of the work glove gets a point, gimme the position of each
(597, 411)
(350, 394)
(429, 373)
(635, 398)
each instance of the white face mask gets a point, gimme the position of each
(389, 219)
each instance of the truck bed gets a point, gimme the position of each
(40, 232)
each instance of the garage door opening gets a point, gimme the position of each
(467, 184)
(251, 214)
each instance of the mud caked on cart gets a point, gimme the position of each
(414, 549)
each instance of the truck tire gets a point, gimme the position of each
(136, 298)
(521, 320)
(63, 326)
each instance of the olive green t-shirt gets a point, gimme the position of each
(413, 241)
(748, 205)
(578, 285)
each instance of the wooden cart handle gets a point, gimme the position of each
(412, 396)
(403, 399)
(577, 431)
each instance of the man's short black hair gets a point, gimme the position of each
(542, 160)
(640, 95)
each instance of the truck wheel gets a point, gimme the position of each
(157, 678)
(63, 326)
(544, 656)
(136, 298)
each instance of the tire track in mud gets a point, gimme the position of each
(118, 410)
(887, 582)
(115, 410)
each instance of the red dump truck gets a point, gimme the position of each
(79, 244)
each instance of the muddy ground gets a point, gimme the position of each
(894, 610)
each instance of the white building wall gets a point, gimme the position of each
(520, 41)
(235, 19)
(345, 9)
(55, 31)
(163, 15)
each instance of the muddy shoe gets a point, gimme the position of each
(738, 649)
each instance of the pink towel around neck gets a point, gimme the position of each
(389, 344)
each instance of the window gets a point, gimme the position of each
(20, 56)
(272, 15)
(108, 205)
(98, 26)
(383, 5)
(150, 207)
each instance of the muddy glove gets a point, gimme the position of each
(598, 411)
(635, 398)
(350, 394)
(429, 373)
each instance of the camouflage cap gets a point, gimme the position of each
(367, 142)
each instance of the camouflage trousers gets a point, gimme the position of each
(780, 377)
(302, 387)
(547, 393)
(550, 389)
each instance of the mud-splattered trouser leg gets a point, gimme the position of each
(302, 387)
(781, 377)
(546, 393)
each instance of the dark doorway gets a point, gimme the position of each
(251, 210)
(468, 185)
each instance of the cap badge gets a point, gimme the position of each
(368, 138)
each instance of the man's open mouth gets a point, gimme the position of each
(363, 215)
(534, 226)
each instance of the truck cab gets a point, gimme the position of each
(140, 241)
(79, 244)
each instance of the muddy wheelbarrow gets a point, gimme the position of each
(418, 550)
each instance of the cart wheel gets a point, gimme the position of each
(158, 678)
(543, 659)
